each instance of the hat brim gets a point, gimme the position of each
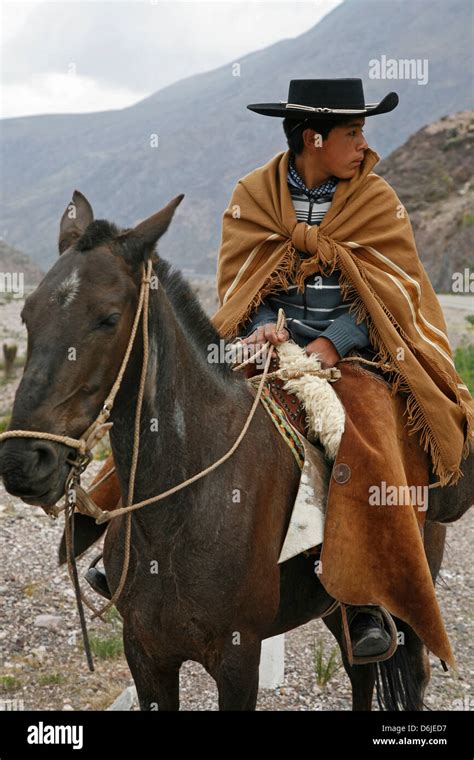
(388, 103)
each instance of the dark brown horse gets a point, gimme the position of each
(203, 583)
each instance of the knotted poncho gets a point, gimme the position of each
(367, 236)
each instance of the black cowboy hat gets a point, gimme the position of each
(325, 98)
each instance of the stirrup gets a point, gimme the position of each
(389, 626)
(101, 587)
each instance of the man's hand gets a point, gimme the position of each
(267, 332)
(326, 350)
(260, 335)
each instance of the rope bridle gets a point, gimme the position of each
(73, 491)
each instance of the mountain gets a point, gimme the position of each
(433, 175)
(207, 139)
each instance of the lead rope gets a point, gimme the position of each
(70, 501)
(135, 452)
(72, 568)
(71, 495)
(143, 306)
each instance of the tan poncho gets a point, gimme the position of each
(367, 236)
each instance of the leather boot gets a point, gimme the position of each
(367, 631)
(98, 581)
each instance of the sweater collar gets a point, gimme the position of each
(324, 189)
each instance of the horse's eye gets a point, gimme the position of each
(109, 321)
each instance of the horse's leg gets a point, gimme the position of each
(156, 680)
(362, 677)
(237, 675)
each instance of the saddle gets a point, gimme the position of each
(290, 405)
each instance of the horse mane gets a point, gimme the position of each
(189, 311)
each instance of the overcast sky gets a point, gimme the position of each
(82, 55)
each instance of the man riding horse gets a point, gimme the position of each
(317, 233)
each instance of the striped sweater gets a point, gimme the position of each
(319, 310)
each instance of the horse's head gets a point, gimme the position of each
(79, 321)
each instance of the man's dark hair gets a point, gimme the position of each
(294, 129)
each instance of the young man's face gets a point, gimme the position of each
(342, 151)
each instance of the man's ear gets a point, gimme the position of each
(138, 243)
(74, 221)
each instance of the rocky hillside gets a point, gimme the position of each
(433, 173)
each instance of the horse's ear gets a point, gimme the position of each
(74, 221)
(138, 242)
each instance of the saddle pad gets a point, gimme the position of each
(306, 526)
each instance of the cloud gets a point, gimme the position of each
(46, 91)
(120, 51)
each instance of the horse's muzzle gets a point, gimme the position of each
(34, 470)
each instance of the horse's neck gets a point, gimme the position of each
(186, 402)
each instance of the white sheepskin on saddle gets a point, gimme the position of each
(325, 414)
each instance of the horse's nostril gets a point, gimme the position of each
(30, 468)
(46, 453)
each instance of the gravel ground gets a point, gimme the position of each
(42, 664)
